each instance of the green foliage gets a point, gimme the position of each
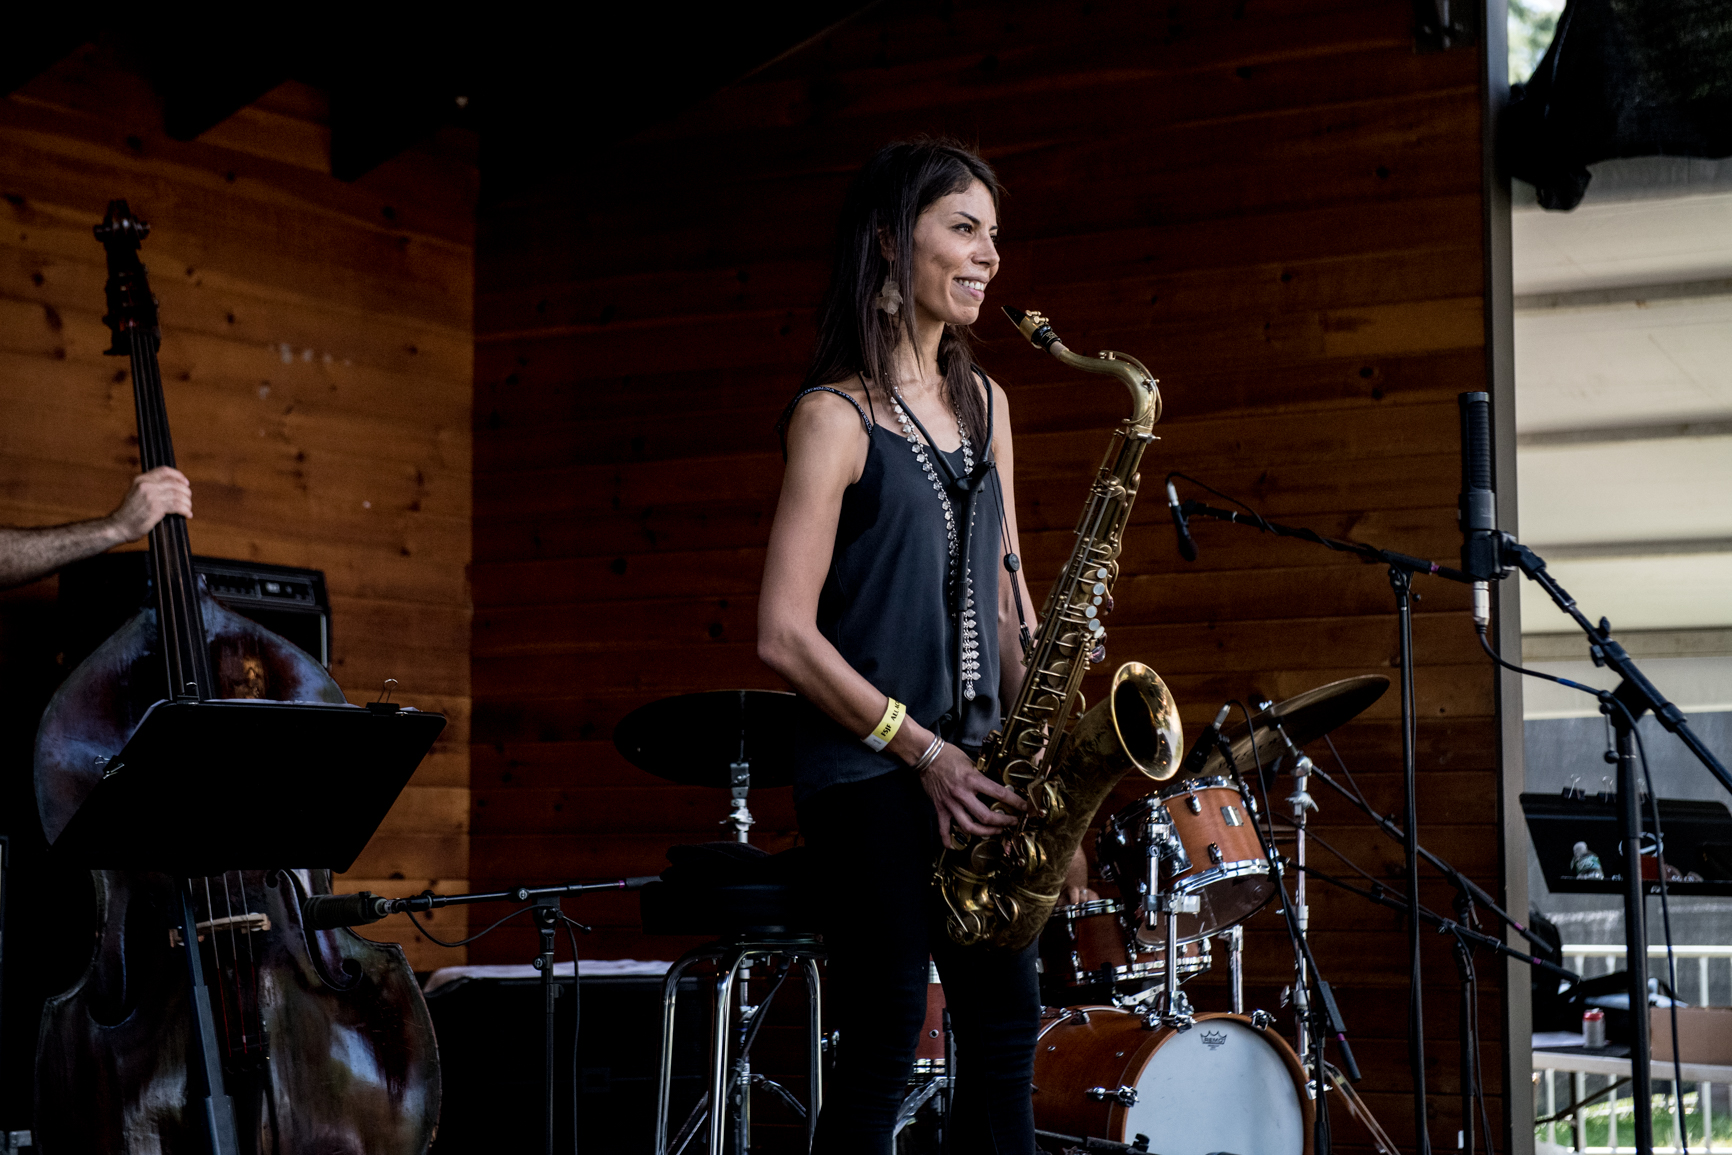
(1531, 24)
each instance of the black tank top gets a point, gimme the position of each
(886, 609)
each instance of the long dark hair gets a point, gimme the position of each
(854, 335)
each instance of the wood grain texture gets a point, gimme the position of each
(317, 359)
(1276, 205)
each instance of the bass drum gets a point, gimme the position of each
(1223, 1085)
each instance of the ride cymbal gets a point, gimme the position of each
(693, 739)
(1304, 718)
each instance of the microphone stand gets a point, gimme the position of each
(545, 902)
(1402, 567)
(1624, 706)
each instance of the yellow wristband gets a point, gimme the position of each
(881, 734)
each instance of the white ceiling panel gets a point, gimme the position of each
(1694, 685)
(1648, 593)
(1625, 363)
(1623, 243)
(1678, 488)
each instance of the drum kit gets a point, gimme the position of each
(1124, 1062)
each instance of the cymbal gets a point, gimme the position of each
(693, 738)
(1304, 718)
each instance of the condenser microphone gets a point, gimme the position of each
(1477, 508)
(1204, 745)
(1187, 547)
(330, 911)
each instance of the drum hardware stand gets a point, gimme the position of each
(1357, 1108)
(1402, 567)
(1301, 802)
(1173, 1007)
(1087, 1143)
(1313, 1019)
(1235, 939)
(936, 1085)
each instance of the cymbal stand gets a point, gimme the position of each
(1301, 802)
(739, 785)
(1315, 1023)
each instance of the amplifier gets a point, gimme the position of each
(100, 594)
(491, 1039)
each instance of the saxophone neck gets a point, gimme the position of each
(1145, 391)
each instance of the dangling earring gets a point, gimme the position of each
(890, 295)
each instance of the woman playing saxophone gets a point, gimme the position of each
(890, 592)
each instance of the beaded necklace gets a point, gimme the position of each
(957, 571)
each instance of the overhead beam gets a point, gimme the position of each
(1624, 295)
(1675, 547)
(1609, 434)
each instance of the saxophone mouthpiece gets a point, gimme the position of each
(1033, 326)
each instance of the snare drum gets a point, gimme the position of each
(1225, 871)
(1087, 953)
(1223, 1085)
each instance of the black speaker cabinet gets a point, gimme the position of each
(490, 1056)
(100, 594)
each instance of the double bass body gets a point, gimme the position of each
(325, 1043)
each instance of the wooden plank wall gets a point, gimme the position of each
(317, 355)
(1275, 203)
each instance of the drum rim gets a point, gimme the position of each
(1225, 872)
(1195, 785)
(1137, 1062)
(1091, 908)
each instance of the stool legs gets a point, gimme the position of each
(665, 1077)
(729, 959)
(729, 964)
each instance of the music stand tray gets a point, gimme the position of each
(234, 784)
(1698, 839)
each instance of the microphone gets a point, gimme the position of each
(1187, 547)
(331, 911)
(1477, 505)
(638, 881)
(1205, 743)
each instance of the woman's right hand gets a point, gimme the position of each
(956, 787)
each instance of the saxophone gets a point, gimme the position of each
(1000, 889)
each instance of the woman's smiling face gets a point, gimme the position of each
(955, 255)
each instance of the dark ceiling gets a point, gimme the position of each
(542, 93)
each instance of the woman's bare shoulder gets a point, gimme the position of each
(820, 409)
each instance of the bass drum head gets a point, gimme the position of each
(1223, 1085)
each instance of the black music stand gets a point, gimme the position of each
(234, 784)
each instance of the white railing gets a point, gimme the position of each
(1703, 972)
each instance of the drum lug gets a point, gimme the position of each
(1215, 855)
(1262, 1020)
(1194, 804)
(1124, 1096)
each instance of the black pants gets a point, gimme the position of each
(873, 844)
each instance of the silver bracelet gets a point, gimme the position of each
(930, 756)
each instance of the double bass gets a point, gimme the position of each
(323, 1044)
